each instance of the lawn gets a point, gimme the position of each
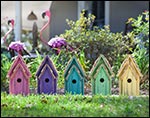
(73, 106)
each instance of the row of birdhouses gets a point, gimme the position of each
(74, 75)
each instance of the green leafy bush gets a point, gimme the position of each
(5, 66)
(33, 65)
(60, 61)
(94, 41)
(141, 29)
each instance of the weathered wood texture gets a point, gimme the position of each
(19, 76)
(74, 77)
(129, 77)
(47, 77)
(101, 76)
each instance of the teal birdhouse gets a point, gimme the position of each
(101, 76)
(74, 77)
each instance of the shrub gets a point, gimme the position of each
(60, 61)
(5, 66)
(95, 40)
(33, 65)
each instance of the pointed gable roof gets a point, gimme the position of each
(99, 61)
(46, 67)
(19, 66)
(71, 70)
(102, 66)
(75, 62)
(129, 61)
(47, 61)
(19, 60)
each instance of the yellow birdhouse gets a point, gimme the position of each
(129, 77)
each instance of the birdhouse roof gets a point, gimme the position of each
(46, 67)
(19, 66)
(99, 61)
(47, 61)
(97, 72)
(75, 62)
(71, 70)
(129, 61)
(19, 60)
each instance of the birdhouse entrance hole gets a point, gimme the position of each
(46, 80)
(18, 80)
(73, 81)
(129, 80)
(102, 80)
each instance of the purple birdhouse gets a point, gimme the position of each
(47, 77)
(19, 76)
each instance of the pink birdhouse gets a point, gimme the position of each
(19, 76)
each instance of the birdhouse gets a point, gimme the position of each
(129, 77)
(101, 76)
(47, 77)
(19, 76)
(74, 77)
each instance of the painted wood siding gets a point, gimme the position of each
(19, 84)
(129, 77)
(102, 83)
(47, 84)
(74, 83)
(129, 83)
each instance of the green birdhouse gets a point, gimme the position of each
(74, 77)
(101, 76)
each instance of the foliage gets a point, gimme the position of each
(33, 65)
(60, 61)
(141, 29)
(94, 40)
(73, 106)
(5, 52)
(5, 66)
(79, 29)
(142, 60)
(85, 63)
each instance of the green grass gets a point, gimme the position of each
(73, 105)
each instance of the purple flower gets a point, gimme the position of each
(17, 46)
(57, 42)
